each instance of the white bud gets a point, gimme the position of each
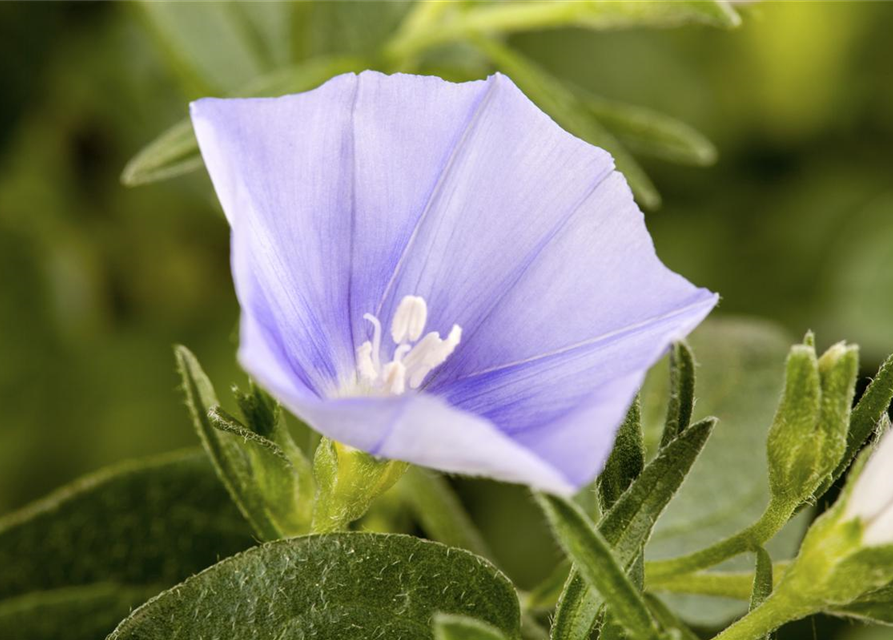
(872, 497)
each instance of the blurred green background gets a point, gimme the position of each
(794, 223)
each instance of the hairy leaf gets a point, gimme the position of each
(453, 627)
(351, 585)
(682, 392)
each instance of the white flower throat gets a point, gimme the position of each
(413, 358)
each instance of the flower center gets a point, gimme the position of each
(413, 358)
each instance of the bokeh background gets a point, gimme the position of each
(792, 224)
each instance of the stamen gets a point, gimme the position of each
(410, 363)
(409, 319)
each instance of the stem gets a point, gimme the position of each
(737, 585)
(760, 532)
(774, 612)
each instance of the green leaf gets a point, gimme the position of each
(439, 512)
(546, 594)
(86, 554)
(682, 392)
(648, 132)
(627, 526)
(668, 620)
(598, 566)
(258, 475)
(762, 581)
(453, 627)
(560, 102)
(218, 47)
(875, 607)
(351, 585)
(75, 613)
(740, 378)
(175, 152)
(626, 461)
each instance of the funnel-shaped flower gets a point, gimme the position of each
(437, 273)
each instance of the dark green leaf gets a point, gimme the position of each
(546, 594)
(627, 526)
(560, 102)
(598, 566)
(74, 613)
(176, 152)
(652, 133)
(682, 392)
(453, 627)
(351, 585)
(84, 555)
(626, 461)
(439, 512)
(762, 581)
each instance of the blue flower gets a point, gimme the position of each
(437, 273)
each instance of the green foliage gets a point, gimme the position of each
(76, 561)
(626, 461)
(598, 566)
(363, 586)
(762, 581)
(626, 527)
(348, 481)
(453, 627)
(682, 392)
(437, 509)
(271, 484)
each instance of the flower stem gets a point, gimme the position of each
(774, 612)
(737, 585)
(770, 523)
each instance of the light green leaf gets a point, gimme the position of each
(762, 581)
(84, 555)
(875, 607)
(627, 526)
(560, 102)
(598, 566)
(649, 132)
(351, 585)
(668, 620)
(219, 46)
(439, 512)
(740, 379)
(453, 627)
(175, 152)
(259, 476)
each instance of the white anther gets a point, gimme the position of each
(394, 377)
(365, 364)
(409, 319)
(410, 363)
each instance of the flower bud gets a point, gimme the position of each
(808, 435)
(871, 499)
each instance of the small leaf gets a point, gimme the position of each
(682, 392)
(258, 475)
(560, 102)
(598, 566)
(762, 581)
(439, 512)
(78, 560)
(626, 461)
(649, 132)
(627, 526)
(350, 585)
(453, 627)
(175, 152)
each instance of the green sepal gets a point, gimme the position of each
(682, 392)
(456, 627)
(875, 607)
(627, 527)
(598, 566)
(807, 439)
(865, 420)
(347, 482)
(626, 461)
(259, 476)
